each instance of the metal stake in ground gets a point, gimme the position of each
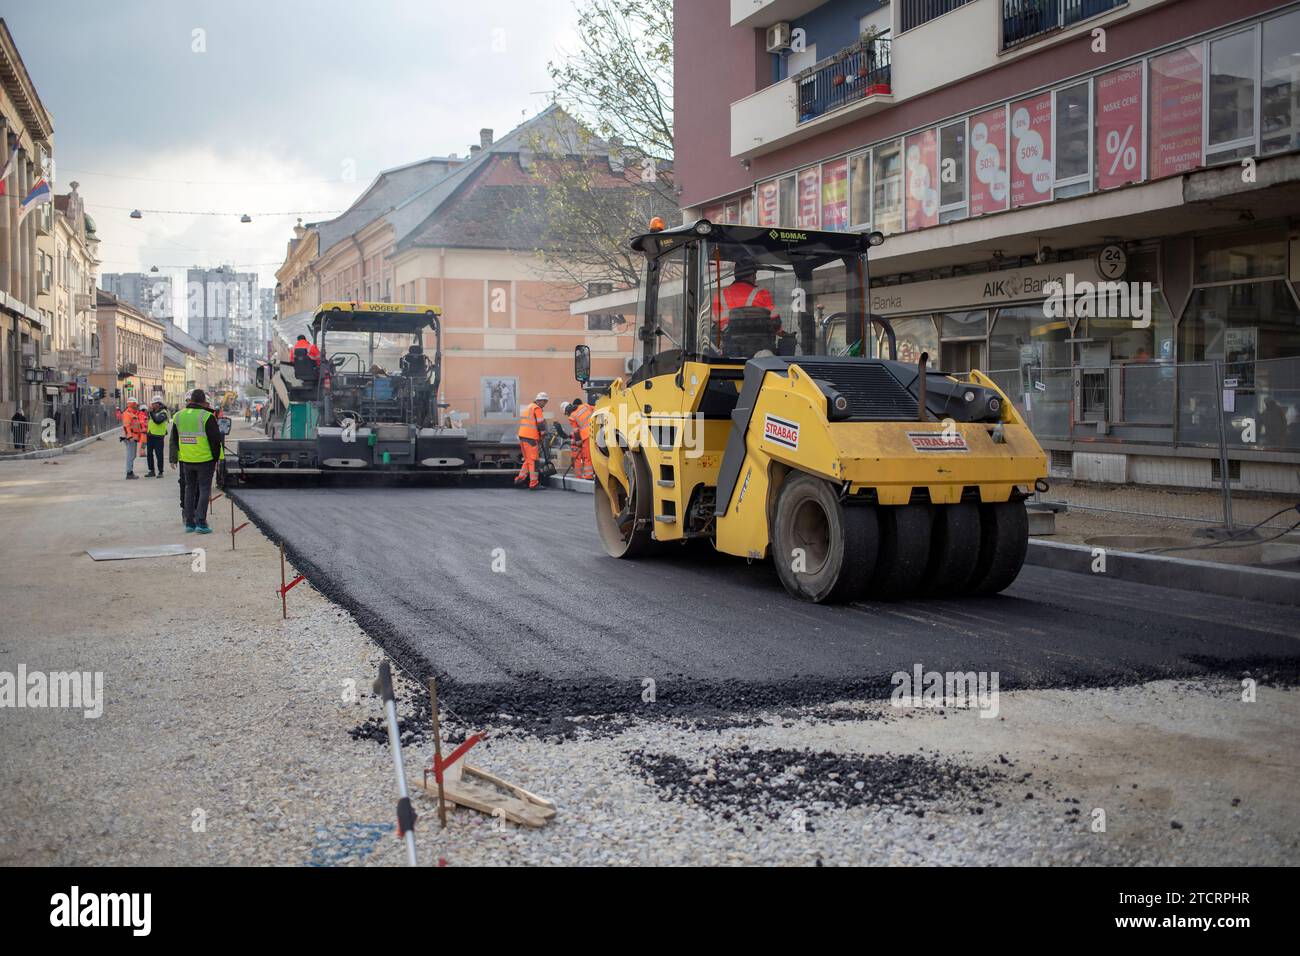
(437, 750)
(405, 812)
(285, 588)
(234, 531)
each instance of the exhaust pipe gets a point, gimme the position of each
(920, 386)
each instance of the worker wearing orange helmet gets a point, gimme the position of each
(532, 425)
(133, 434)
(579, 413)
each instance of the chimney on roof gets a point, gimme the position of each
(485, 138)
(474, 150)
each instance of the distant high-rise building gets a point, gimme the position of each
(218, 299)
(266, 314)
(150, 292)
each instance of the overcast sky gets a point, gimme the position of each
(275, 106)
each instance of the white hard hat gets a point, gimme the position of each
(542, 397)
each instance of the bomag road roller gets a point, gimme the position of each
(367, 404)
(756, 420)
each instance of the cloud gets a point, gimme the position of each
(284, 98)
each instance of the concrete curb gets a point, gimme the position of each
(583, 486)
(1252, 584)
(60, 450)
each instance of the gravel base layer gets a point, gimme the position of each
(230, 736)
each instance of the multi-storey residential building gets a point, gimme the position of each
(130, 352)
(266, 314)
(1006, 146)
(150, 292)
(73, 342)
(216, 299)
(444, 231)
(26, 248)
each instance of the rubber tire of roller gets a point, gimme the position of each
(638, 542)
(954, 550)
(904, 551)
(851, 550)
(1004, 539)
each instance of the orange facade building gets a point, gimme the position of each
(453, 232)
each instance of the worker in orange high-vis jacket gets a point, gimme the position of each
(133, 435)
(532, 425)
(579, 413)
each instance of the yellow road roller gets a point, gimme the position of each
(756, 419)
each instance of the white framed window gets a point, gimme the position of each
(1231, 96)
(954, 142)
(1072, 139)
(860, 191)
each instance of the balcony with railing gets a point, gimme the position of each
(858, 72)
(1024, 20)
(913, 13)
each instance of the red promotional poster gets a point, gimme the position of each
(835, 195)
(988, 162)
(809, 197)
(1176, 121)
(769, 198)
(1031, 150)
(1119, 127)
(921, 157)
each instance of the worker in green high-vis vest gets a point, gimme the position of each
(157, 423)
(195, 444)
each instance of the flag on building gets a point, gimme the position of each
(41, 193)
(9, 168)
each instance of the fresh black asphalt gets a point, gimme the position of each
(508, 596)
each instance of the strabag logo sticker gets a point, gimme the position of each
(938, 441)
(780, 432)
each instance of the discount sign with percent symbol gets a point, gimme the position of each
(1119, 128)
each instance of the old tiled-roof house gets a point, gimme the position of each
(457, 232)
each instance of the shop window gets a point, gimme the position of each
(952, 172)
(808, 211)
(915, 334)
(964, 325)
(1240, 324)
(789, 208)
(768, 209)
(860, 189)
(1232, 97)
(1031, 353)
(1175, 111)
(1280, 91)
(887, 187)
(1073, 128)
(1253, 328)
(1233, 257)
(835, 195)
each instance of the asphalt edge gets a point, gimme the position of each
(1251, 584)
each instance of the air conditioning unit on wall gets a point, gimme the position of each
(778, 37)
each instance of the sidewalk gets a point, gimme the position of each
(213, 707)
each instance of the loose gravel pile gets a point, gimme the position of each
(771, 782)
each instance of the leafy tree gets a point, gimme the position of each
(601, 175)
